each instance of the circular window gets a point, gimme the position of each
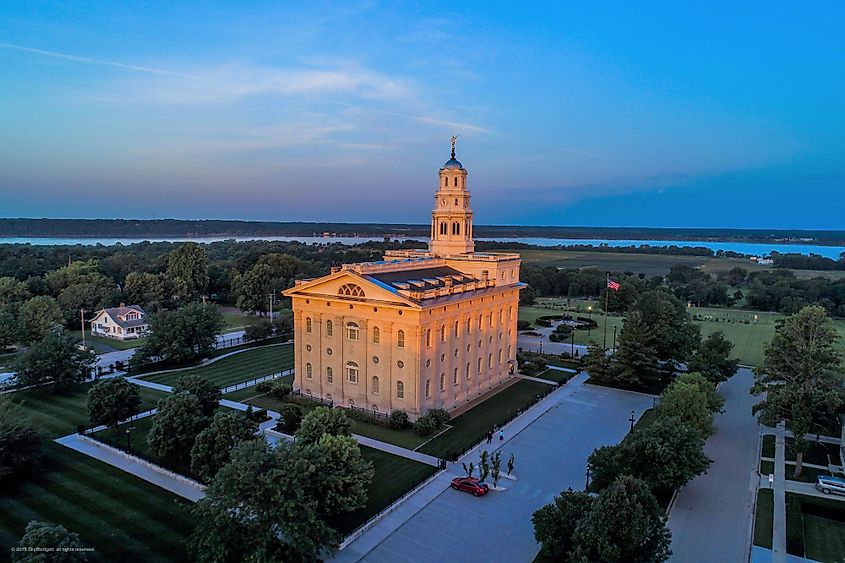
(308, 347)
(328, 351)
(400, 364)
(351, 307)
(427, 363)
(308, 391)
(307, 301)
(328, 303)
(375, 309)
(375, 359)
(400, 312)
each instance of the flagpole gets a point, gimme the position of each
(606, 299)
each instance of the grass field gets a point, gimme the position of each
(555, 375)
(822, 523)
(749, 335)
(470, 427)
(243, 366)
(763, 518)
(236, 321)
(107, 344)
(58, 413)
(122, 517)
(394, 476)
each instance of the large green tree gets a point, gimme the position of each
(20, 443)
(690, 403)
(39, 537)
(57, 359)
(37, 317)
(209, 394)
(253, 289)
(276, 504)
(145, 289)
(599, 365)
(176, 425)
(636, 355)
(182, 335)
(323, 420)
(92, 294)
(113, 400)
(801, 376)
(674, 335)
(625, 524)
(187, 272)
(555, 523)
(213, 446)
(13, 292)
(8, 327)
(712, 360)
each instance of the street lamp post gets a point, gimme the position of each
(589, 316)
(587, 485)
(632, 419)
(129, 438)
(572, 352)
(614, 339)
(82, 322)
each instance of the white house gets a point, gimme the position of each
(120, 323)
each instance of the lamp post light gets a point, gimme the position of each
(129, 438)
(587, 485)
(572, 352)
(614, 339)
(632, 419)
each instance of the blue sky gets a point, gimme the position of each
(615, 113)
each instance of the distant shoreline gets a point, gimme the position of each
(180, 229)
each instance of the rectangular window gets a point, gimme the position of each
(427, 388)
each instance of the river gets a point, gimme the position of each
(754, 249)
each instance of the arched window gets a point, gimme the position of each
(456, 228)
(455, 377)
(376, 335)
(428, 338)
(443, 333)
(456, 181)
(307, 324)
(442, 381)
(308, 370)
(479, 365)
(479, 322)
(427, 388)
(445, 182)
(456, 329)
(467, 372)
(469, 326)
(400, 339)
(400, 390)
(329, 375)
(456, 202)
(352, 331)
(501, 315)
(351, 372)
(490, 360)
(329, 328)
(374, 386)
(500, 355)
(351, 290)
(443, 228)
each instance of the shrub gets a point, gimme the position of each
(280, 390)
(543, 322)
(431, 422)
(291, 418)
(523, 325)
(398, 420)
(258, 416)
(258, 331)
(264, 387)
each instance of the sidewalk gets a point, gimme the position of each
(183, 487)
(396, 450)
(779, 521)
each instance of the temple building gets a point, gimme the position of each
(418, 330)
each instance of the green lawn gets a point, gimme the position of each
(768, 445)
(763, 518)
(767, 467)
(808, 474)
(121, 516)
(394, 476)
(243, 366)
(102, 343)
(817, 524)
(235, 321)
(58, 413)
(824, 539)
(404, 438)
(471, 427)
(555, 375)
(816, 453)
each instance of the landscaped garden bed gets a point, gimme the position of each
(763, 518)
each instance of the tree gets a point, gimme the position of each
(276, 504)
(113, 400)
(258, 330)
(555, 523)
(20, 444)
(636, 355)
(208, 394)
(687, 401)
(469, 469)
(64, 546)
(323, 420)
(55, 359)
(623, 524)
(92, 294)
(213, 446)
(187, 272)
(283, 323)
(510, 464)
(253, 289)
(182, 335)
(598, 364)
(37, 317)
(715, 402)
(13, 292)
(291, 417)
(801, 376)
(8, 327)
(484, 466)
(145, 289)
(176, 425)
(713, 359)
(674, 335)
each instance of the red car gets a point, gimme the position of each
(470, 485)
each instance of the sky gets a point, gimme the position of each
(662, 114)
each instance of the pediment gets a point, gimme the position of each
(347, 285)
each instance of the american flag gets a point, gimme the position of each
(612, 284)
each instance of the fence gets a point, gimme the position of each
(86, 430)
(298, 393)
(257, 380)
(369, 412)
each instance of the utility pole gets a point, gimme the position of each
(82, 320)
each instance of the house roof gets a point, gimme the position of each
(116, 312)
(421, 278)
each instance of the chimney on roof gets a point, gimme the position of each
(123, 304)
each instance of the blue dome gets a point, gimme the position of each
(453, 163)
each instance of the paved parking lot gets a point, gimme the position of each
(551, 455)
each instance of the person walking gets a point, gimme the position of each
(489, 436)
(501, 435)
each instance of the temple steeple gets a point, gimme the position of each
(451, 219)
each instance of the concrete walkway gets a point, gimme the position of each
(396, 450)
(537, 379)
(550, 441)
(779, 520)
(180, 486)
(559, 368)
